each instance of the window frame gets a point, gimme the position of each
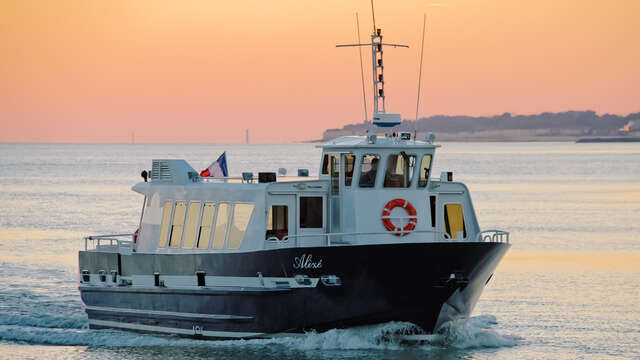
(231, 224)
(324, 164)
(412, 182)
(215, 226)
(360, 162)
(212, 227)
(179, 233)
(445, 220)
(335, 171)
(426, 181)
(270, 223)
(322, 210)
(353, 168)
(165, 243)
(196, 230)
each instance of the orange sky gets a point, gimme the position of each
(204, 70)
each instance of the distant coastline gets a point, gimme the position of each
(563, 126)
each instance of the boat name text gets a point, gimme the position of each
(305, 261)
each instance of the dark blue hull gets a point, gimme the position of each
(426, 284)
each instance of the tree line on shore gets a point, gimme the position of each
(586, 122)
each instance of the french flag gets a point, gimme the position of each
(217, 168)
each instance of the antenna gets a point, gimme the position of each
(373, 14)
(380, 115)
(364, 97)
(424, 27)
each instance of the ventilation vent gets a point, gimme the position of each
(160, 171)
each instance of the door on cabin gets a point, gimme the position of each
(335, 200)
(311, 220)
(281, 210)
(453, 221)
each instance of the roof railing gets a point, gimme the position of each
(285, 239)
(493, 235)
(111, 242)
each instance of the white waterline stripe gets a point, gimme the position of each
(168, 330)
(168, 313)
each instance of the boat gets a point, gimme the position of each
(373, 238)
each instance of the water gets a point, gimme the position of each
(569, 287)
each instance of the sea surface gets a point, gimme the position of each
(569, 288)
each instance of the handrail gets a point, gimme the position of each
(97, 239)
(286, 238)
(493, 235)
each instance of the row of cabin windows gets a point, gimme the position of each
(399, 171)
(193, 228)
(311, 217)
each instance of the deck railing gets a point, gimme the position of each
(493, 235)
(114, 242)
(328, 236)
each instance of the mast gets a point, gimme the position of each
(380, 116)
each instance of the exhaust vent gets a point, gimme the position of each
(160, 171)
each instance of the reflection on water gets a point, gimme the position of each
(568, 288)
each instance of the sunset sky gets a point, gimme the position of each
(205, 70)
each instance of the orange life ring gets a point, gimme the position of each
(388, 224)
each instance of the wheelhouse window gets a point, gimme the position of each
(191, 226)
(454, 221)
(311, 213)
(278, 222)
(206, 224)
(335, 174)
(325, 164)
(239, 222)
(369, 170)
(222, 219)
(399, 170)
(349, 165)
(425, 166)
(178, 223)
(166, 221)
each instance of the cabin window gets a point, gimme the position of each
(349, 165)
(432, 204)
(311, 212)
(178, 223)
(222, 219)
(239, 222)
(278, 222)
(325, 164)
(454, 221)
(368, 170)
(206, 224)
(399, 170)
(191, 226)
(166, 221)
(335, 175)
(425, 165)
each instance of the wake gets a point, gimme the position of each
(477, 332)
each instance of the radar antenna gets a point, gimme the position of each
(380, 116)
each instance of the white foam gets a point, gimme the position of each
(46, 321)
(474, 333)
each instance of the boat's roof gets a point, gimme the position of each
(353, 142)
